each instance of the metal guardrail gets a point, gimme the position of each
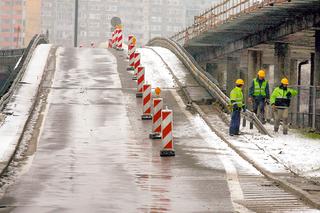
(219, 14)
(203, 78)
(7, 89)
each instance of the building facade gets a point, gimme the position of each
(144, 18)
(12, 23)
(32, 20)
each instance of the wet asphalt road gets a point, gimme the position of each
(94, 154)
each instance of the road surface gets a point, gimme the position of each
(94, 154)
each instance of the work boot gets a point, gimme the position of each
(285, 132)
(276, 129)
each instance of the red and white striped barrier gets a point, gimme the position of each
(114, 38)
(130, 39)
(140, 82)
(120, 40)
(146, 99)
(157, 106)
(131, 52)
(137, 58)
(167, 135)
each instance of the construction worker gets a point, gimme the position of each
(259, 95)
(236, 101)
(280, 102)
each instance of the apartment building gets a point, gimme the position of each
(144, 18)
(12, 23)
(57, 19)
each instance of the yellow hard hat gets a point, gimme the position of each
(158, 91)
(285, 81)
(262, 73)
(240, 82)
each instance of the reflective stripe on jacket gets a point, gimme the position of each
(260, 90)
(236, 97)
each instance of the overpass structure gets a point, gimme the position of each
(235, 38)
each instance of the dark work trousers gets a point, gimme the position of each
(235, 122)
(259, 103)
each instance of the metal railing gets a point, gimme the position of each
(219, 14)
(15, 76)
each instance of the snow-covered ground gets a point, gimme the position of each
(20, 105)
(299, 154)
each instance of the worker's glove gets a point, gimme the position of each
(267, 101)
(273, 107)
(235, 107)
(244, 108)
(289, 95)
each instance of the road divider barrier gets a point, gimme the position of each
(140, 81)
(157, 106)
(114, 38)
(131, 52)
(167, 135)
(120, 39)
(146, 99)
(137, 58)
(131, 41)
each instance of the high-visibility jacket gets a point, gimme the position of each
(280, 97)
(260, 89)
(236, 97)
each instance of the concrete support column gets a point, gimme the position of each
(317, 59)
(212, 69)
(233, 72)
(222, 67)
(293, 80)
(293, 72)
(316, 81)
(254, 64)
(281, 61)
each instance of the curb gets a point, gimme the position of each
(6, 164)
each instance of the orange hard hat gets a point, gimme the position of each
(157, 91)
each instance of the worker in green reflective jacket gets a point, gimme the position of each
(236, 101)
(280, 102)
(259, 95)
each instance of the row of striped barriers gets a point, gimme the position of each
(152, 107)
